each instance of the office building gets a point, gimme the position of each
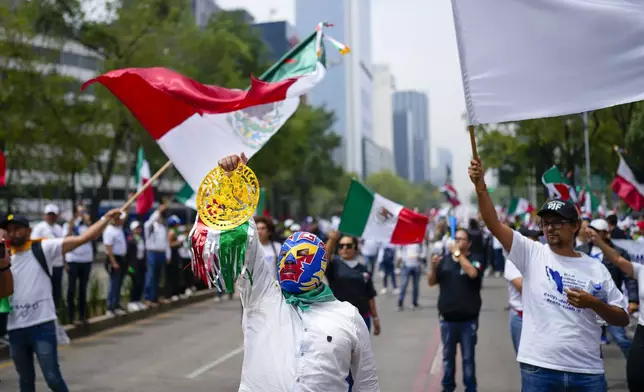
(279, 37)
(416, 104)
(203, 10)
(403, 144)
(443, 168)
(347, 88)
(383, 125)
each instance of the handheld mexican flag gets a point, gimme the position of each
(520, 206)
(145, 201)
(368, 215)
(558, 186)
(629, 184)
(196, 124)
(589, 202)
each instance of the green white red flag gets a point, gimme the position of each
(558, 185)
(146, 199)
(196, 124)
(520, 206)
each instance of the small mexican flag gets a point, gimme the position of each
(196, 124)
(520, 206)
(558, 186)
(187, 196)
(145, 201)
(590, 203)
(368, 215)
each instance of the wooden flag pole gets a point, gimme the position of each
(155, 177)
(475, 154)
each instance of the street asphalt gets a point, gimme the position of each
(198, 348)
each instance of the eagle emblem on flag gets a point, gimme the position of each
(255, 125)
(384, 215)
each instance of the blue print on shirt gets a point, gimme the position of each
(556, 278)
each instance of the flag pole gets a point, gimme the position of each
(146, 186)
(586, 147)
(475, 154)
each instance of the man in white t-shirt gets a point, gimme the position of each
(115, 252)
(48, 228)
(515, 286)
(31, 323)
(563, 293)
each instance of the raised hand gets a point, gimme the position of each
(229, 163)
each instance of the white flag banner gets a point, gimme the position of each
(523, 59)
(634, 248)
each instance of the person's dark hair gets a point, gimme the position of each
(611, 220)
(463, 230)
(353, 239)
(474, 225)
(268, 222)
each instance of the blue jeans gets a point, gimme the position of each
(538, 379)
(390, 272)
(41, 340)
(156, 261)
(116, 280)
(371, 263)
(619, 336)
(410, 274)
(57, 284)
(464, 333)
(516, 322)
(498, 260)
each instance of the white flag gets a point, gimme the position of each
(523, 59)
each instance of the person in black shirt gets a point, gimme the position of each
(458, 276)
(349, 280)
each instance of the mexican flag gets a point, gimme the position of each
(196, 124)
(558, 186)
(146, 199)
(520, 206)
(450, 193)
(629, 184)
(589, 202)
(368, 215)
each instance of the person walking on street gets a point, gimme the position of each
(635, 360)
(172, 271)
(116, 264)
(79, 262)
(459, 276)
(31, 323)
(137, 265)
(563, 293)
(157, 247)
(49, 228)
(411, 257)
(619, 277)
(387, 262)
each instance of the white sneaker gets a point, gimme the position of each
(174, 298)
(217, 299)
(396, 291)
(384, 291)
(497, 274)
(109, 313)
(141, 305)
(133, 307)
(188, 292)
(120, 312)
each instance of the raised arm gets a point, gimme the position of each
(486, 208)
(331, 244)
(611, 253)
(93, 232)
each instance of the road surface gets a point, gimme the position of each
(198, 348)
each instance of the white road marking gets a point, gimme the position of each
(209, 366)
(436, 364)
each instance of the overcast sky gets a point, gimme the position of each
(416, 38)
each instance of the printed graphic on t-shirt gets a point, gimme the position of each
(476, 265)
(558, 283)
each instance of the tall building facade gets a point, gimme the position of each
(384, 86)
(403, 124)
(417, 105)
(203, 10)
(443, 168)
(347, 87)
(279, 37)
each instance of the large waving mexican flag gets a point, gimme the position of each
(196, 124)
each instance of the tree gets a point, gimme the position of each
(403, 192)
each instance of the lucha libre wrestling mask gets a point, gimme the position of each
(302, 263)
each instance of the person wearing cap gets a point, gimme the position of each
(137, 265)
(515, 287)
(48, 228)
(31, 323)
(635, 360)
(619, 277)
(563, 293)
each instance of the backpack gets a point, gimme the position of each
(388, 255)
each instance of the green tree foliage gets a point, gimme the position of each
(403, 192)
(49, 125)
(527, 148)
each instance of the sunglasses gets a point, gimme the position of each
(345, 246)
(554, 224)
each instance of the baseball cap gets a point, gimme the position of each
(563, 208)
(51, 209)
(134, 225)
(599, 225)
(17, 219)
